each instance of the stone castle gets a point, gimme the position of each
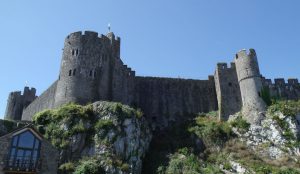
(91, 70)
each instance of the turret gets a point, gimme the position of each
(16, 102)
(85, 71)
(250, 81)
(227, 90)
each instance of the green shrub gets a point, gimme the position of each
(89, 166)
(104, 124)
(288, 171)
(287, 108)
(212, 131)
(265, 95)
(125, 167)
(43, 118)
(241, 124)
(183, 161)
(67, 167)
(211, 169)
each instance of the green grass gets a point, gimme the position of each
(241, 124)
(212, 131)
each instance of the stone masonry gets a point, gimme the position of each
(92, 70)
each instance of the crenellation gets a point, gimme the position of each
(222, 65)
(74, 35)
(279, 81)
(268, 82)
(293, 81)
(17, 102)
(91, 34)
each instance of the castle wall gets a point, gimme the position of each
(282, 90)
(166, 100)
(122, 83)
(227, 90)
(44, 101)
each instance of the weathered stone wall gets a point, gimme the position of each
(49, 156)
(14, 106)
(122, 83)
(282, 90)
(228, 90)
(4, 152)
(250, 81)
(17, 102)
(44, 101)
(85, 63)
(166, 100)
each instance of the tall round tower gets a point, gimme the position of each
(85, 69)
(250, 82)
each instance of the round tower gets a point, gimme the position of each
(84, 71)
(250, 82)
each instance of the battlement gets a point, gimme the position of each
(15, 93)
(245, 53)
(30, 91)
(27, 91)
(293, 81)
(92, 34)
(224, 66)
(281, 82)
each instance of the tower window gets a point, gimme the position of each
(73, 52)
(91, 72)
(95, 73)
(76, 52)
(229, 84)
(70, 72)
(74, 72)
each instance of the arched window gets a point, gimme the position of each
(24, 152)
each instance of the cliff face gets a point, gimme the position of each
(111, 136)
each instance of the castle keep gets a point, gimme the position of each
(91, 70)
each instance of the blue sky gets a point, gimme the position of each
(168, 38)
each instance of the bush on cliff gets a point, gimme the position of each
(212, 131)
(73, 129)
(287, 108)
(89, 166)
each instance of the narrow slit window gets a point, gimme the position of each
(72, 52)
(74, 72)
(95, 73)
(91, 72)
(70, 72)
(76, 52)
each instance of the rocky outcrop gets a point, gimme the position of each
(127, 139)
(109, 135)
(275, 137)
